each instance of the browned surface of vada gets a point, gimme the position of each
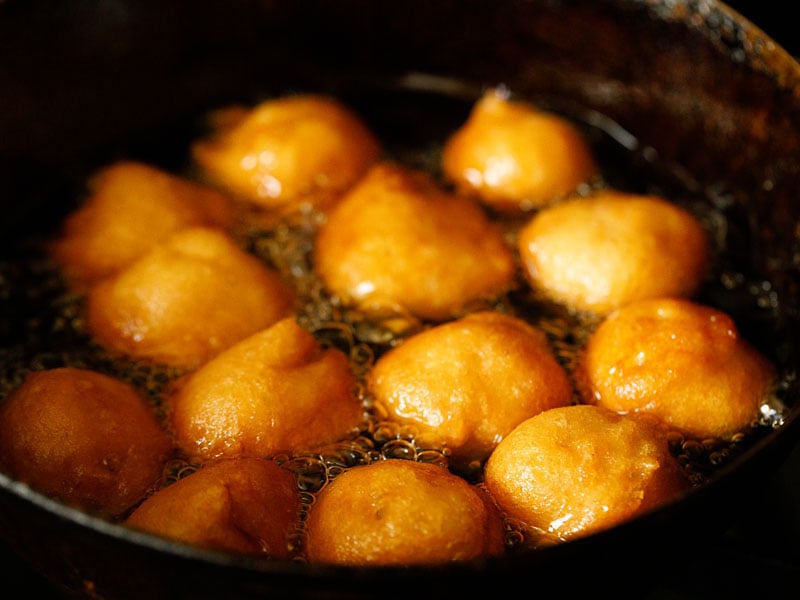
(573, 471)
(82, 437)
(679, 360)
(132, 206)
(467, 383)
(514, 156)
(401, 512)
(276, 391)
(287, 150)
(397, 242)
(186, 300)
(247, 505)
(600, 252)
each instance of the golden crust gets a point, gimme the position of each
(603, 251)
(679, 360)
(516, 157)
(401, 512)
(397, 242)
(573, 471)
(82, 437)
(186, 300)
(131, 207)
(166, 283)
(247, 505)
(466, 384)
(288, 150)
(277, 391)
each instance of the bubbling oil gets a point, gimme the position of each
(47, 318)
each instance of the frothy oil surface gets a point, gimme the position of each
(44, 321)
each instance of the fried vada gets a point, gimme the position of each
(131, 206)
(246, 505)
(682, 361)
(516, 157)
(289, 150)
(600, 252)
(398, 243)
(401, 512)
(573, 471)
(84, 438)
(192, 296)
(277, 391)
(466, 384)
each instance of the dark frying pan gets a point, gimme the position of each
(691, 82)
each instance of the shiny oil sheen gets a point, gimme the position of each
(681, 95)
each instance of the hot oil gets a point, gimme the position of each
(44, 320)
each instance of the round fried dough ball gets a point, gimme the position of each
(131, 207)
(466, 384)
(398, 243)
(289, 149)
(401, 512)
(679, 360)
(277, 391)
(186, 300)
(514, 156)
(247, 505)
(601, 252)
(82, 437)
(572, 471)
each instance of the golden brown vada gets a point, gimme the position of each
(398, 243)
(572, 471)
(466, 384)
(246, 505)
(131, 206)
(679, 360)
(515, 157)
(186, 300)
(82, 437)
(276, 391)
(600, 252)
(401, 512)
(301, 148)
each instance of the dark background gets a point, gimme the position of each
(750, 560)
(774, 18)
(755, 561)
